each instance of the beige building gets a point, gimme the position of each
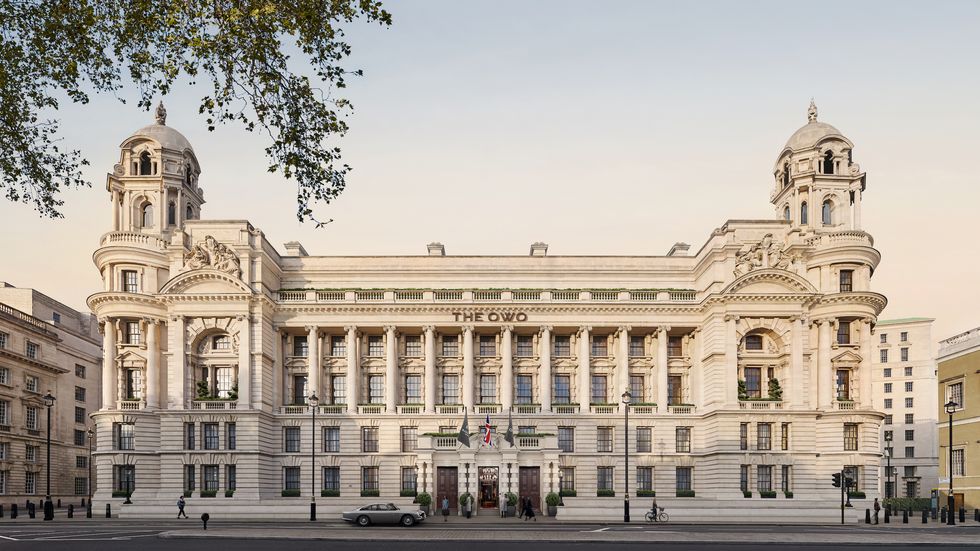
(749, 359)
(45, 346)
(959, 382)
(905, 390)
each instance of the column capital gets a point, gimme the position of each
(311, 328)
(584, 329)
(243, 317)
(666, 328)
(467, 328)
(548, 328)
(506, 328)
(176, 318)
(731, 317)
(625, 329)
(350, 328)
(390, 329)
(429, 328)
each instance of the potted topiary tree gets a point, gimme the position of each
(424, 500)
(511, 504)
(552, 500)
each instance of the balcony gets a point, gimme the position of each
(529, 442)
(370, 408)
(134, 239)
(294, 410)
(527, 409)
(445, 443)
(565, 409)
(488, 408)
(604, 409)
(131, 405)
(681, 409)
(214, 404)
(846, 405)
(759, 405)
(333, 409)
(449, 409)
(644, 409)
(410, 409)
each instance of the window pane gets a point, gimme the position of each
(525, 389)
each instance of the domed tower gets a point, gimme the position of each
(818, 184)
(154, 186)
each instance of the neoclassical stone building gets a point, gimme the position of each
(748, 362)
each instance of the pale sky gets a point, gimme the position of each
(599, 128)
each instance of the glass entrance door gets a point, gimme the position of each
(488, 488)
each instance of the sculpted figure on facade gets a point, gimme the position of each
(765, 254)
(211, 254)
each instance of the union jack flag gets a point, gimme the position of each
(486, 433)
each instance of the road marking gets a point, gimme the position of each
(599, 530)
(9, 538)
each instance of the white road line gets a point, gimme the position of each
(599, 530)
(8, 538)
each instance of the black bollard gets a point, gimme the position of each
(867, 516)
(88, 510)
(204, 519)
(1, 511)
(962, 515)
(108, 510)
(59, 503)
(905, 517)
(83, 502)
(925, 517)
(13, 510)
(976, 515)
(71, 510)
(888, 515)
(942, 515)
(31, 512)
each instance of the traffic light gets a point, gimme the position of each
(836, 480)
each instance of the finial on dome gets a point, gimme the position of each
(161, 116)
(811, 113)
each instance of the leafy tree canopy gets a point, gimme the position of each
(242, 48)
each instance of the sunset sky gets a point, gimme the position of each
(599, 128)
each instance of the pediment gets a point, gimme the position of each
(204, 281)
(770, 281)
(130, 357)
(848, 357)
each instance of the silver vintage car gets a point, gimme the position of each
(384, 513)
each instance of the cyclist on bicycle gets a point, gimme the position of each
(655, 510)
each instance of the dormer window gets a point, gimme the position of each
(828, 162)
(146, 165)
(804, 217)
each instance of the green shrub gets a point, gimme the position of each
(209, 493)
(767, 495)
(370, 493)
(788, 495)
(855, 495)
(408, 493)
(646, 493)
(552, 499)
(685, 493)
(746, 493)
(186, 494)
(569, 493)
(424, 499)
(512, 499)
(605, 493)
(463, 499)
(908, 503)
(229, 493)
(329, 493)
(290, 493)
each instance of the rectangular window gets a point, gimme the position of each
(210, 432)
(846, 281)
(904, 354)
(450, 389)
(909, 471)
(909, 435)
(331, 439)
(903, 336)
(125, 435)
(604, 439)
(599, 395)
(525, 390)
(32, 384)
(958, 458)
(290, 478)
(4, 339)
(4, 376)
(674, 390)
(376, 346)
(369, 439)
(843, 332)
(79, 394)
(124, 478)
(231, 477)
(850, 437)
(753, 342)
(567, 479)
(888, 403)
(954, 393)
(682, 439)
(225, 381)
(81, 486)
(32, 350)
(743, 436)
(79, 371)
(764, 480)
(31, 418)
(784, 437)
(301, 347)
(299, 390)
(604, 479)
(338, 388)
(887, 372)
(79, 437)
(290, 439)
(764, 436)
(134, 384)
(908, 371)
(450, 346)
(908, 386)
(683, 476)
(132, 332)
(743, 478)
(81, 461)
(909, 418)
(210, 478)
(525, 346)
(644, 479)
(908, 402)
(5, 413)
(675, 346)
(851, 474)
(566, 439)
(5, 452)
(600, 346)
(331, 479)
(79, 415)
(376, 389)
(644, 439)
(843, 385)
(369, 479)
(131, 282)
(410, 439)
(413, 346)
(753, 382)
(338, 346)
(884, 338)
(883, 356)
(413, 389)
(563, 389)
(909, 451)
(488, 346)
(636, 388)
(888, 419)
(189, 436)
(888, 388)
(787, 480)
(488, 389)
(30, 453)
(231, 436)
(409, 480)
(637, 347)
(562, 347)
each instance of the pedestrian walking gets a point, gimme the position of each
(877, 510)
(180, 507)
(445, 509)
(530, 511)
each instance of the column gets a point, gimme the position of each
(545, 385)
(824, 376)
(353, 358)
(278, 369)
(468, 369)
(152, 364)
(864, 376)
(180, 206)
(697, 369)
(177, 376)
(507, 356)
(793, 386)
(430, 368)
(115, 210)
(127, 210)
(584, 369)
(108, 363)
(623, 365)
(391, 369)
(731, 360)
(662, 371)
(857, 208)
(313, 361)
(244, 361)
(161, 210)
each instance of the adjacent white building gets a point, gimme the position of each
(749, 360)
(905, 390)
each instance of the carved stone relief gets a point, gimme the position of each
(214, 255)
(764, 254)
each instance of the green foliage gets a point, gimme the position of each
(789, 495)
(767, 495)
(290, 493)
(229, 493)
(424, 499)
(123, 493)
(746, 493)
(245, 53)
(463, 498)
(511, 499)
(552, 499)
(203, 392)
(855, 495)
(209, 493)
(775, 391)
(907, 503)
(408, 493)
(329, 493)
(646, 493)
(569, 493)
(233, 395)
(187, 493)
(605, 493)
(743, 393)
(370, 493)
(685, 493)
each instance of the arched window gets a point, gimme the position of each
(785, 174)
(190, 212)
(147, 216)
(171, 213)
(827, 212)
(146, 167)
(786, 213)
(828, 162)
(803, 213)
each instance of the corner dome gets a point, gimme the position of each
(812, 132)
(167, 137)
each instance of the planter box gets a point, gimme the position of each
(767, 495)
(569, 493)
(229, 493)
(746, 494)
(213, 493)
(646, 493)
(788, 495)
(685, 493)
(552, 510)
(329, 493)
(290, 493)
(605, 493)
(124, 494)
(511, 511)
(370, 493)
(855, 495)
(408, 493)
(186, 494)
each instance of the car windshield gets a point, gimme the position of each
(391, 507)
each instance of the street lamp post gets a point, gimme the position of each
(888, 469)
(48, 505)
(314, 402)
(561, 487)
(88, 507)
(950, 500)
(626, 457)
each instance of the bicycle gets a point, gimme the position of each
(653, 516)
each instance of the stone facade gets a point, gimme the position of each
(749, 362)
(959, 382)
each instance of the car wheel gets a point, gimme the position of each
(363, 520)
(407, 520)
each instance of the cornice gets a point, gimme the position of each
(9, 354)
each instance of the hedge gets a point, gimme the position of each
(685, 493)
(646, 493)
(290, 493)
(329, 493)
(908, 503)
(605, 493)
